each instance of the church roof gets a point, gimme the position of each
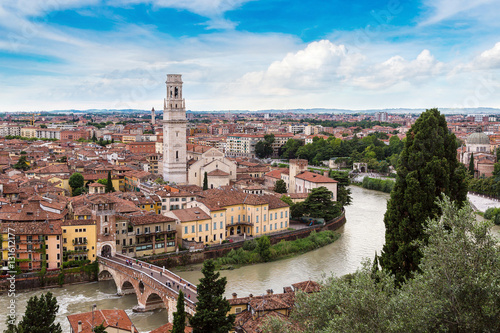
(478, 139)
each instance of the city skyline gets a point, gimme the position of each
(249, 55)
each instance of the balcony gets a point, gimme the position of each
(81, 241)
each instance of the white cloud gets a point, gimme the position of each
(397, 70)
(311, 68)
(323, 64)
(212, 9)
(444, 9)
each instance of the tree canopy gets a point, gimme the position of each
(264, 148)
(280, 186)
(39, 316)
(457, 288)
(179, 323)
(212, 308)
(427, 167)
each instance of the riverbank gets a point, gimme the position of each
(186, 258)
(252, 252)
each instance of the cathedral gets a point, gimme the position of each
(180, 164)
(477, 146)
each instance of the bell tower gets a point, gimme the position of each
(174, 132)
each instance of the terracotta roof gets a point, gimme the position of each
(109, 318)
(307, 286)
(167, 328)
(217, 173)
(149, 219)
(274, 174)
(190, 214)
(314, 177)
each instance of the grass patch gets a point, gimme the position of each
(249, 253)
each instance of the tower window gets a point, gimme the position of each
(176, 154)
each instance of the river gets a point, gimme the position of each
(362, 235)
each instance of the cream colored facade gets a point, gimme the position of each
(28, 132)
(211, 161)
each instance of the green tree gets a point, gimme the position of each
(40, 315)
(427, 167)
(280, 186)
(289, 149)
(343, 193)
(94, 139)
(102, 181)
(179, 323)
(99, 329)
(264, 148)
(205, 181)
(109, 184)
(21, 164)
(471, 165)
(264, 248)
(76, 181)
(319, 204)
(212, 308)
(456, 290)
(43, 126)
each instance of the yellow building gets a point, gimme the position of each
(79, 239)
(221, 214)
(60, 182)
(4, 248)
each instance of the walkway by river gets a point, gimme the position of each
(362, 235)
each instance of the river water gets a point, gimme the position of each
(362, 235)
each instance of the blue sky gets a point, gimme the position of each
(249, 55)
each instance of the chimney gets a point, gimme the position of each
(235, 295)
(251, 296)
(269, 291)
(80, 326)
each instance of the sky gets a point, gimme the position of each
(249, 54)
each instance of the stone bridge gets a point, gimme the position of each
(154, 286)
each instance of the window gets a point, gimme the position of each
(221, 225)
(286, 224)
(281, 226)
(271, 217)
(275, 216)
(57, 246)
(256, 219)
(257, 230)
(206, 227)
(270, 227)
(200, 228)
(232, 219)
(257, 208)
(57, 237)
(157, 228)
(138, 231)
(215, 215)
(239, 218)
(215, 225)
(185, 230)
(65, 240)
(276, 226)
(286, 213)
(220, 214)
(192, 229)
(265, 217)
(281, 214)
(264, 228)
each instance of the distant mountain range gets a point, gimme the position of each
(482, 110)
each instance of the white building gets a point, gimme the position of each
(174, 132)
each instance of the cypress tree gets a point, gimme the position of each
(212, 308)
(427, 167)
(179, 323)
(205, 181)
(109, 184)
(40, 315)
(471, 165)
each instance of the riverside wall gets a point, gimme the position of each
(187, 258)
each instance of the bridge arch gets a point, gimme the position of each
(154, 301)
(128, 288)
(106, 274)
